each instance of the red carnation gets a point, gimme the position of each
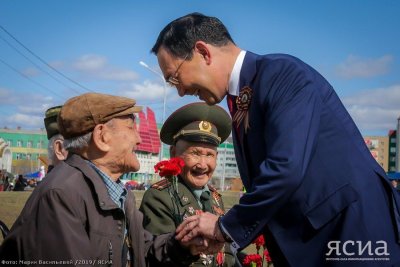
(252, 260)
(259, 242)
(220, 258)
(267, 256)
(169, 168)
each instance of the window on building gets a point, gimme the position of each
(29, 144)
(28, 156)
(392, 150)
(393, 140)
(40, 144)
(19, 143)
(18, 156)
(9, 142)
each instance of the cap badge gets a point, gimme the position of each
(243, 104)
(205, 126)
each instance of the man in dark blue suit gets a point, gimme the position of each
(313, 188)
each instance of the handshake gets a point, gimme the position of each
(201, 234)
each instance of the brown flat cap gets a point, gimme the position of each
(197, 122)
(50, 121)
(80, 114)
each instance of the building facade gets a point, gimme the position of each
(26, 147)
(392, 148)
(5, 156)
(379, 148)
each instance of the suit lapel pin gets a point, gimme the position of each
(243, 102)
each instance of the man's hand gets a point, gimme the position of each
(195, 245)
(205, 225)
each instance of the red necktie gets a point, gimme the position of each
(231, 99)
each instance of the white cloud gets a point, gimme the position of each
(90, 63)
(375, 110)
(148, 91)
(57, 64)
(97, 67)
(25, 120)
(31, 72)
(357, 67)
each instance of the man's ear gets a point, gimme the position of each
(204, 51)
(58, 149)
(101, 137)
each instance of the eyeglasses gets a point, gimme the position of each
(173, 80)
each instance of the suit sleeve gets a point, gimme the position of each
(292, 108)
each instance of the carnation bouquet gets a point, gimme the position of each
(257, 260)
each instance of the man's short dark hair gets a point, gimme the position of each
(180, 35)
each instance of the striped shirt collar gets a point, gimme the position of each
(116, 190)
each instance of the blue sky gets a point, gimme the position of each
(98, 44)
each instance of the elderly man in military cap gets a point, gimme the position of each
(55, 149)
(82, 214)
(194, 133)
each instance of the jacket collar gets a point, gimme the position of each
(103, 199)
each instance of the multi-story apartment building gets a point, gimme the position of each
(227, 168)
(392, 145)
(379, 147)
(27, 147)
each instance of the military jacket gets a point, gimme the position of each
(164, 208)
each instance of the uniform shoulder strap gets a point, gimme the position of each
(161, 185)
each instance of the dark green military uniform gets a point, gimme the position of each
(164, 209)
(164, 206)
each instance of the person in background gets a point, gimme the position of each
(55, 149)
(312, 185)
(20, 183)
(6, 184)
(81, 214)
(194, 132)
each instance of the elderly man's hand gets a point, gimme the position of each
(204, 225)
(195, 245)
(199, 245)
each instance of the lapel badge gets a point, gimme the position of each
(185, 199)
(243, 102)
(191, 210)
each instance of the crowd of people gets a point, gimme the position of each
(309, 178)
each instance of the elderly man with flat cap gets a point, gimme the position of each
(82, 214)
(55, 149)
(194, 133)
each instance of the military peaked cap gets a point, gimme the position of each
(197, 122)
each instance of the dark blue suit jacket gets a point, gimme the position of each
(309, 177)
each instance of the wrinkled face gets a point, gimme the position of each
(200, 162)
(194, 76)
(123, 144)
